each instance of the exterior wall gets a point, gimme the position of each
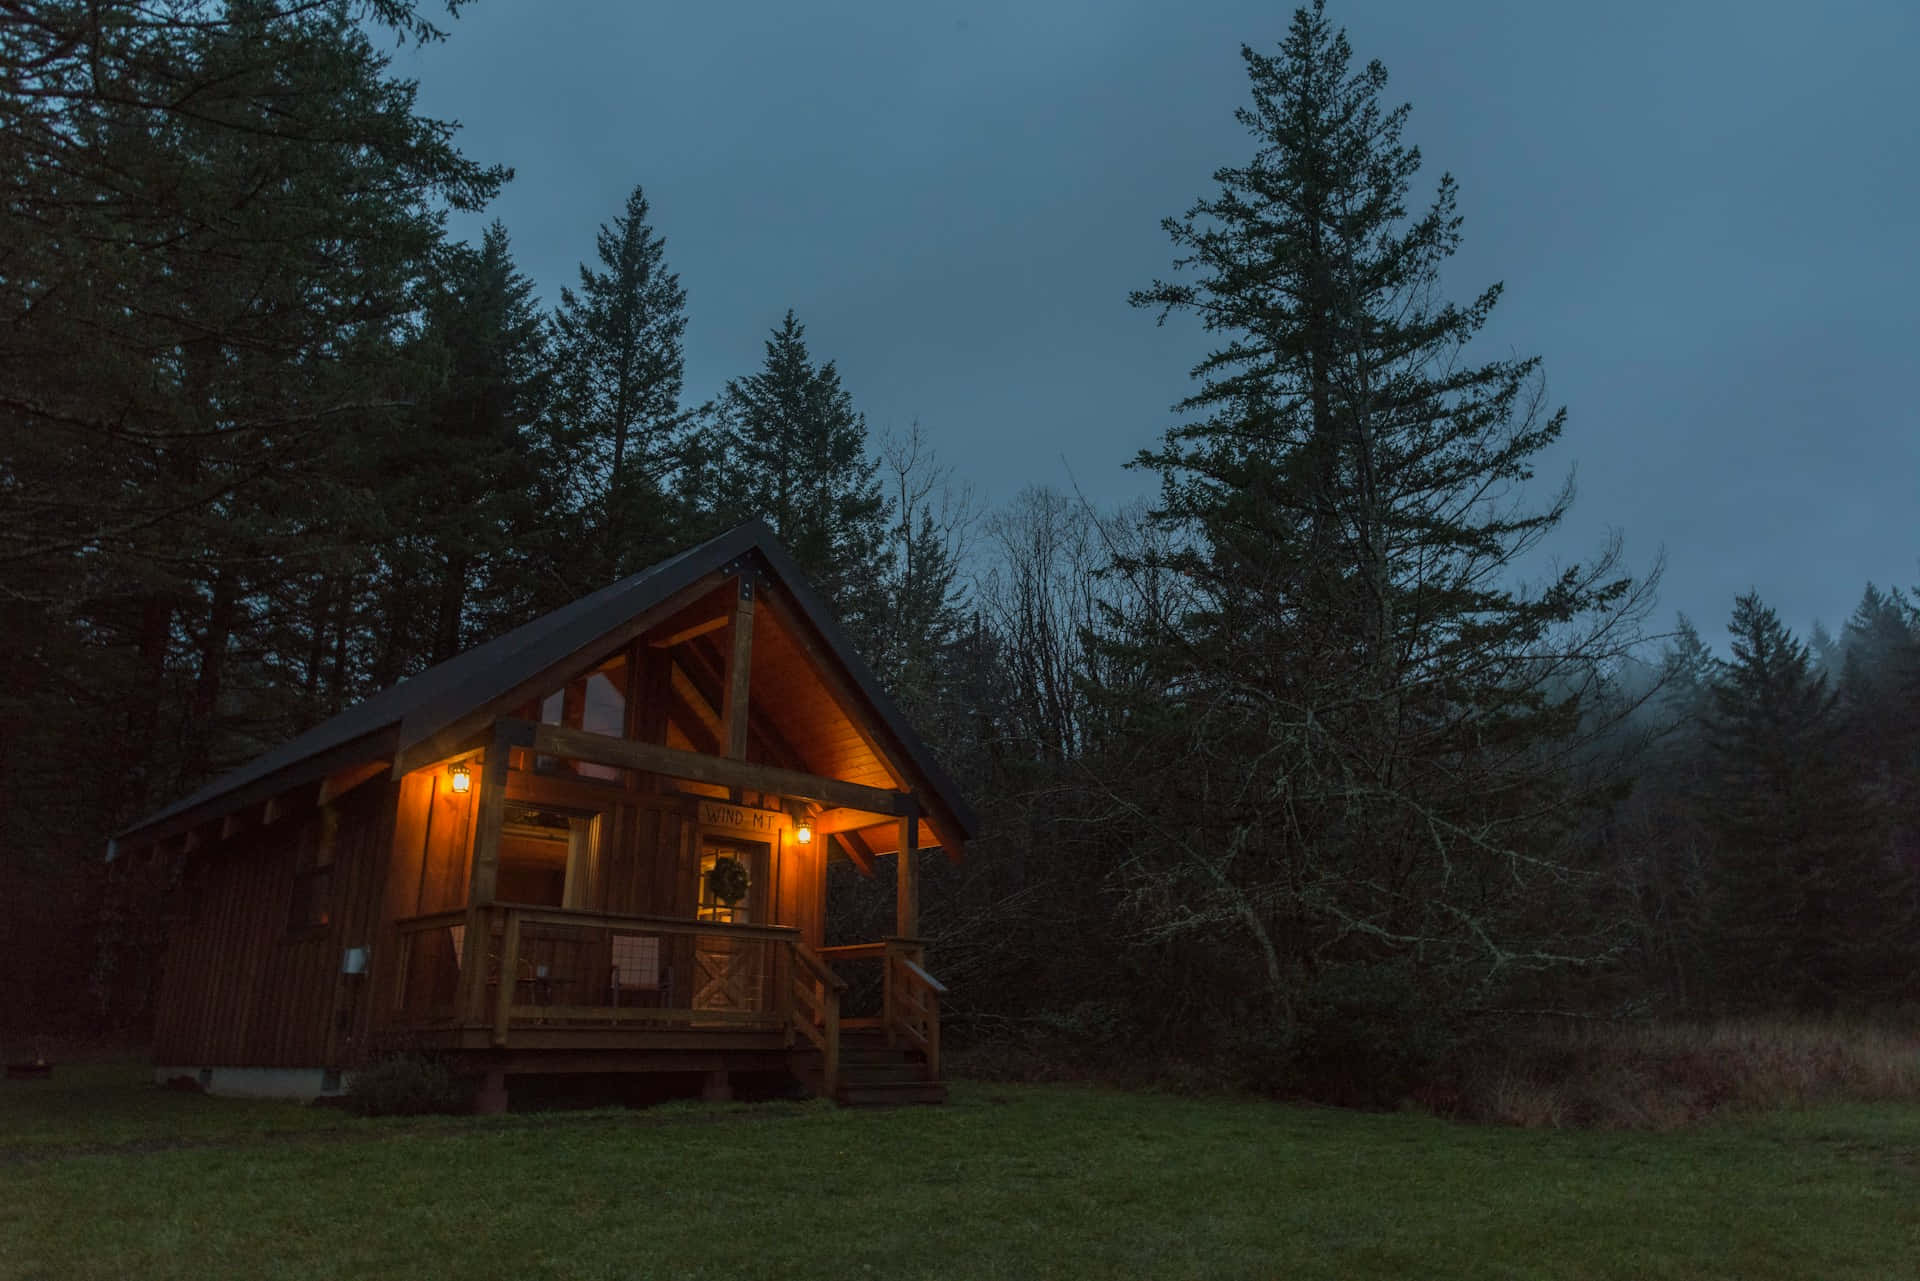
(432, 863)
(644, 860)
(239, 987)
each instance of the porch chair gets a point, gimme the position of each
(636, 970)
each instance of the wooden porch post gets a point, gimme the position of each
(906, 892)
(489, 817)
(733, 713)
(490, 809)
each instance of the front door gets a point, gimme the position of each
(731, 974)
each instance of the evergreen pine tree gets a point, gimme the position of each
(789, 448)
(1809, 909)
(1687, 673)
(1364, 727)
(471, 464)
(1879, 684)
(1878, 680)
(618, 422)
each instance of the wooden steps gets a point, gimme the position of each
(872, 1075)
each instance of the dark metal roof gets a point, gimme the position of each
(421, 706)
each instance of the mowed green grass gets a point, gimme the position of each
(102, 1176)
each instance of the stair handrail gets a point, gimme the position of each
(820, 969)
(816, 1011)
(914, 1008)
(913, 968)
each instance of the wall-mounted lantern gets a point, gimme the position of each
(803, 831)
(462, 779)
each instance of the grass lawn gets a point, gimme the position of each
(103, 1176)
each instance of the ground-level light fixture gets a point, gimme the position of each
(462, 779)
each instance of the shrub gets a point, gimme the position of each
(1664, 1075)
(405, 1085)
(1367, 1037)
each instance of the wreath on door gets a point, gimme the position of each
(727, 881)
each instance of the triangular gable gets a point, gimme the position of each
(429, 714)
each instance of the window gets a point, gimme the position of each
(596, 703)
(727, 897)
(313, 873)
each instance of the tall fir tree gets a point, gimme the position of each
(1357, 761)
(926, 622)
(788, 447)
(1809, 907)
(1879, 685)
(618, 424)
(471, 461)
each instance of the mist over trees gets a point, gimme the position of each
(1286, 772)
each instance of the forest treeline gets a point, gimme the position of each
(1286, 772)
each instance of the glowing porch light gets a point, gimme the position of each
(462, 779)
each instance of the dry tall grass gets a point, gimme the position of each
(1665, 1075)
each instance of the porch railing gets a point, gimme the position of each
(816, 1011)
(909, 996)
(511, 966)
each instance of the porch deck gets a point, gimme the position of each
(520, 988)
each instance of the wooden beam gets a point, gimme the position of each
(490, 809)
(703, 666)
(906, 892)
(551, 740)
(857, 852)
(733, 710)
(828, 822)
(338, 785)
(685, 634)
(509, 978)
(688, 702)
(694, 725)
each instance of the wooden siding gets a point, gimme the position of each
(242, 988)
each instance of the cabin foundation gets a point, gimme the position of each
(302, 1084)
(490, 1096)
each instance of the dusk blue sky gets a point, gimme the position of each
(1704, 215)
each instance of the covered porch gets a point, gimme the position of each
(719, 986)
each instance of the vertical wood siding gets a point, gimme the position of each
(242, 988)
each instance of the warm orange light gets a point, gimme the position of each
(803, 831)
(462, 780)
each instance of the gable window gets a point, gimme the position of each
(596, 703)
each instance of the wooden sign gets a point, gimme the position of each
(720, 814)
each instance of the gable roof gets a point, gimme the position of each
(414, 710)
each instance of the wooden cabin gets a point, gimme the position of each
(596, 844)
